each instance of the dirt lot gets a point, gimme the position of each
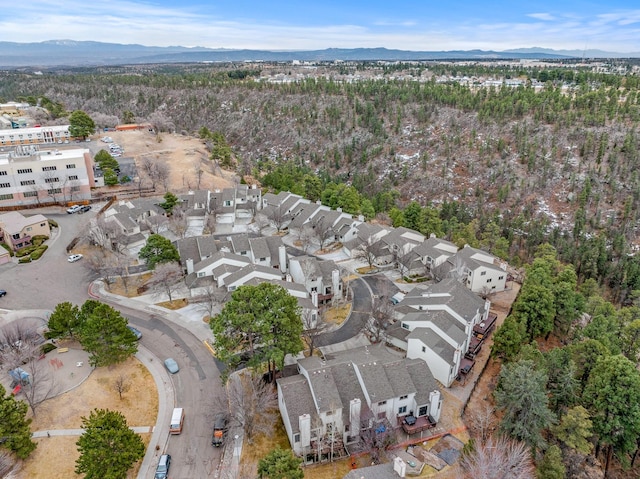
(55, 456)
(482, 397)
(184, 155)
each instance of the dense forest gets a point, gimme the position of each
(506, 168)
(542, 173)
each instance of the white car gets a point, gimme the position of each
(74, 209)
(74, 257)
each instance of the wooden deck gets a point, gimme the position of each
(483, 329)
(421, 423)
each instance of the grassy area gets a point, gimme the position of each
(337, 314)
(175, 304)
(261, 446)
(133, 283)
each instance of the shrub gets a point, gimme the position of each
(39, 252)
(39, 239)
(26, 259)
(53, 223)
(6, 246)
(48, 347)
(25, 251)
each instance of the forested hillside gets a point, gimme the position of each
(428, 146)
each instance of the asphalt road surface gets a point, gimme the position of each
(197, 387)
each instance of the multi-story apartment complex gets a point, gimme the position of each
(31, 176)
(29, 136)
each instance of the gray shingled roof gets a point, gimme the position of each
(448, 292)
(433, 247)
(297, 397)
(220, 256)
(250, 268)
(259, 248)
(433, 341)
(423, 379)
(465, 254)
(240, 243)
(302, 212)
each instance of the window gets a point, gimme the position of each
(500, 277)
(402, 410)
(71, 166)
(296, 438)
(30, 194)
(73, 177)
(201, 274)
(424, 349)
(3, 173)
(423, 410)
(28, 182)
(51, 180)
(263, 259)
(489, 280)
(403, 397)
(6, 197)
(483, 273)
(405, 326)
(49, 168)
(25, 170)
(5, 185)
(75, 188)
(29, 228)
(382, 403)
(54, 190)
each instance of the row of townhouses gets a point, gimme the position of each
(331, 402)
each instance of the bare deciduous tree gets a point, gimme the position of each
(304, 237)
(178, 222)
(322, 230)
(253, 404)
(163, 173)
(368, 251)
(121, 385)
(381, 315)
(166, 279)
(21, 349)
(156, 223)
(7, 462)
(209, 299)
(482, 421)
(260, 222)
(314, 325)
(278, 216)
(497, 458)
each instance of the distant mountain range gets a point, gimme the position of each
(57, 53)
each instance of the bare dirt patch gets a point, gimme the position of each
(337, 314)
(55, 456)
(482, 396)
(186, 157)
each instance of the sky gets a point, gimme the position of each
(420, 25)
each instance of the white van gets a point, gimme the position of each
(177, 419)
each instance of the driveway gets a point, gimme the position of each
(360, 312)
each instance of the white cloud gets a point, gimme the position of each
(542, 16)
(123, 21)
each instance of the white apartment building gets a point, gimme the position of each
(29, 175)
(28, 136)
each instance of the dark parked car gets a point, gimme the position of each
(2, 293)
(84, 208)
(219, 429)
(162, 471)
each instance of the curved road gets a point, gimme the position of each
(52, 280)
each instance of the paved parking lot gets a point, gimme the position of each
(52, 279)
